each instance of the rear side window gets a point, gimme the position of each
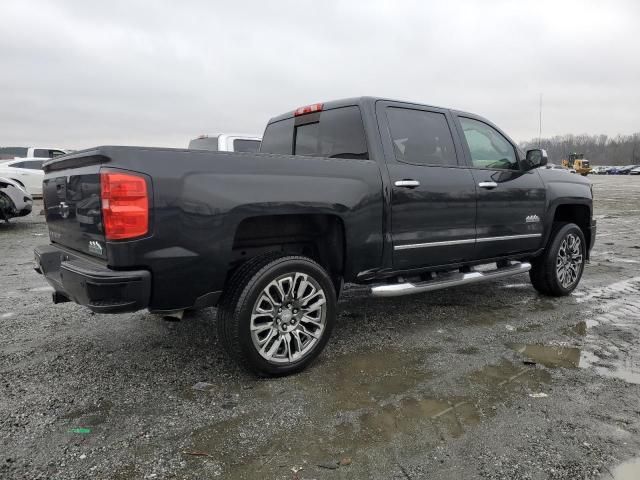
(241, 145)
(33, 164)
(335, 133)
(204, 143)
(41, 153)
(278, 138)
(420, 137)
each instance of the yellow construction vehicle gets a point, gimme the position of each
(578, 163)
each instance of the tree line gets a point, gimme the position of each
(599, 149)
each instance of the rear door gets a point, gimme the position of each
(511, 201)
(433, 202)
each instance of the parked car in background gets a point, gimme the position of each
(635, 171)
(404, 197)
(226, 142)
(626, 170)
(599, 170)
(621, 170)
(15, 201)
(25, 171)
(9, 153)
(553, 166)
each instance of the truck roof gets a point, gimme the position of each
(344, 102)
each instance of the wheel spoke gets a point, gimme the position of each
(306, 332)
(285, 291)
(266, 340)
(274, 347)
(267, 293)
(315, 306)
(302, 287)
(258, 329)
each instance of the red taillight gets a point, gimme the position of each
(316, 107)
(125, 205)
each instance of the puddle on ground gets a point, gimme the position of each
(362, 379)
(581, 328)
(552, 356)
(90, 415)
(532, 327)
(629, 470)
(488, 317)
(368, 402)
(468, 350)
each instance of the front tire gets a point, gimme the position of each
(559, 269)
(277, 314)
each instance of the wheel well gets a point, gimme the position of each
(317, 236)
(18, 182)
(578, 214)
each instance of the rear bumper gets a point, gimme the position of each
(90, 284)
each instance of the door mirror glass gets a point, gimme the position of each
(536, 157)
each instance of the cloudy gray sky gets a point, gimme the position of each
(79, 73)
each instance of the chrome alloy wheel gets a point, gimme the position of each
(288, 318)
(569, 260)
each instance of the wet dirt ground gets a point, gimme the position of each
(485, 381)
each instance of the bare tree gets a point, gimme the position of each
(599, 149)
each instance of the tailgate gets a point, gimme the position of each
(71, 193)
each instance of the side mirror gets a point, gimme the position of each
(536, 157)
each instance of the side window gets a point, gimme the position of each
(243, 145)
(278, 138)
(488, 147)
(421, 138)
(56, 153)
(33, 164)
(41, 153)
(17, 165)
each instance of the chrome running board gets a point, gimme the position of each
(449, 280)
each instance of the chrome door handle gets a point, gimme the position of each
(488, 185)
(407, 183)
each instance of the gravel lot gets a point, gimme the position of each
(486, 381)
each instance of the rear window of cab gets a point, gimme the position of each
(334, 133)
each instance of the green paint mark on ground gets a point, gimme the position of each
(82, 431)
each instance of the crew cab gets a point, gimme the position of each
(404, 197)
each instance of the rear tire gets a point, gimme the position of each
(277, 314)
(559, 269)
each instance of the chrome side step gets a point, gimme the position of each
(449, 280)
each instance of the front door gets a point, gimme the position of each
(433, 204)
(510, 202)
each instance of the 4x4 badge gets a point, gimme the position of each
(95, 247)
(532, 219)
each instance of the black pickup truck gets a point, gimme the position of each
(404, 197)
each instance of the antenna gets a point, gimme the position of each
(540, 123)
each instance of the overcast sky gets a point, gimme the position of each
(80, 73)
